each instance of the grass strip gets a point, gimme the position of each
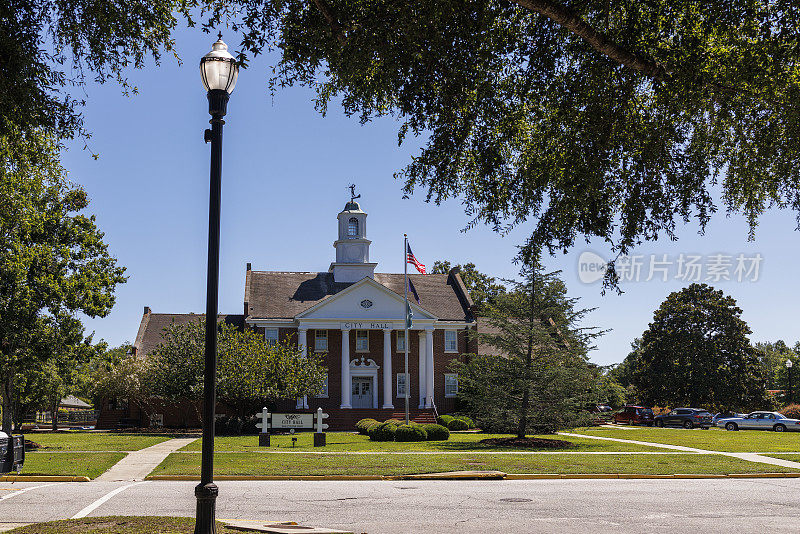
(93, 441)
(307, 464)
(350, 442)
(713, 439)
(86, 464)
(118, 525)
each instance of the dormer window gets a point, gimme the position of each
(352, 227)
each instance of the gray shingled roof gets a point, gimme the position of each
(153, 324)
(283, 295)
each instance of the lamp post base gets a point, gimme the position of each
(205, 522)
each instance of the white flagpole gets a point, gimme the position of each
(405, 293)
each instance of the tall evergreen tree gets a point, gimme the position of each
(696, 352)
(531, 373)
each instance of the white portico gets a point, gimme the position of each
(365, 306)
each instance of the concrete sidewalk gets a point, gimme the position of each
(138, 464)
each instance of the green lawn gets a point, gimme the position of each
(118, 525)
(89, 464)
(712, 439)
(93, 441)
(347, 442)
(250, 463)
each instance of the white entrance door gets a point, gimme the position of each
(362, 392)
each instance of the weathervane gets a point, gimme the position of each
(353, 195)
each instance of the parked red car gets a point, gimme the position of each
(634, 415)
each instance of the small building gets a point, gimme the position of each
(355, 318)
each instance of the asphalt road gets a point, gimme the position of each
(585, 506)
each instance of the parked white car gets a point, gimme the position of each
(760, 421)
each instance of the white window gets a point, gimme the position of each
(401, 385)
(352, 227)
(450, 385)
(401, 341)
(271, 334)
(362, 340)
(320, 340)
(450, 341)
(324, 393)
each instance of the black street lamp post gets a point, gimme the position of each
(789, 370)
(219, 72)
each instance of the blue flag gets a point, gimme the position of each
(409, 315)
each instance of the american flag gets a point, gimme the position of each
(413, 261)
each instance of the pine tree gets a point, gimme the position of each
(531, 373)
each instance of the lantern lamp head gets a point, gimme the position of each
(789, 364)
(218, 69)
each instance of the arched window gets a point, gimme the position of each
(352, 226)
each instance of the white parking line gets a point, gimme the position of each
(92, 507)
(21, 491)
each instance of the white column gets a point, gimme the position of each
(302, 402)
(387, 369)
(422, 365)
(429, 368)
(346, 383)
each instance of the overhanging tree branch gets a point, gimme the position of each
(571, 21)
(336, 28)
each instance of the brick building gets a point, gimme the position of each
(355, 317)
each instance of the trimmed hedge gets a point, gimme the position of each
(410, 433)
(363, 425)
(444, 420)
(437, 432)
(395, 422)
(457, 424)
(470, 423)
(382, 432)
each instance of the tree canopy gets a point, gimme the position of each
(250, 370)
(696, 352)
(482, 288)
(53, 260)
(593, 118)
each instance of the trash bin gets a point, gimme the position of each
(12, 453)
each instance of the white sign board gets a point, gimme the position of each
(292, 420)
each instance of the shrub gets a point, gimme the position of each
(444, 420)
(382, 432)
(394, 422)
(470, 423)
(792, 411)
(457, 424)
(437, 432)
(410, 433)
(364, 424)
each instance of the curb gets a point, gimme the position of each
(489, 475)
(42, 478)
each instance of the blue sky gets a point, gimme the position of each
(285, 175)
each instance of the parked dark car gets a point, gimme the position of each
(12, 452)
(634, 415)
(686, 417)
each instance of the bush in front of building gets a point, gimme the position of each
(444, 420)
(437, 432)
(457, 424)
(411, 432)
(470, 422)
(363, 425)
(791, 411)
(382, 432)
(395, 422)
